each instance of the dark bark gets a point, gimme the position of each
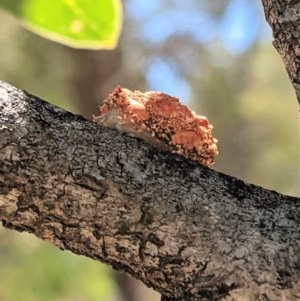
(283, 17)
(90, 69)
(189, 232)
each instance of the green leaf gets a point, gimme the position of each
(92, 24)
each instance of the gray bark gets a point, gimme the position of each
(91, 68)
(189, 232)
(284, 19)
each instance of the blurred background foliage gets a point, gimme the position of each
(216, 56)
(78, 23)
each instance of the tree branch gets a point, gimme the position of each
(283, 17)
(189, 232)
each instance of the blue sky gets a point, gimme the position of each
(239, 27)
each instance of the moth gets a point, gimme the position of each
(162, 121)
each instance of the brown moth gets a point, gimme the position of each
(161, 120)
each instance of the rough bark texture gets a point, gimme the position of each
(91, 68)
(189, 232)
(284, 19)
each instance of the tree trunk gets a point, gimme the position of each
(189, 232)
(283, 17)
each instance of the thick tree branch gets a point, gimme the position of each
(189, 232)
(284, 19)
